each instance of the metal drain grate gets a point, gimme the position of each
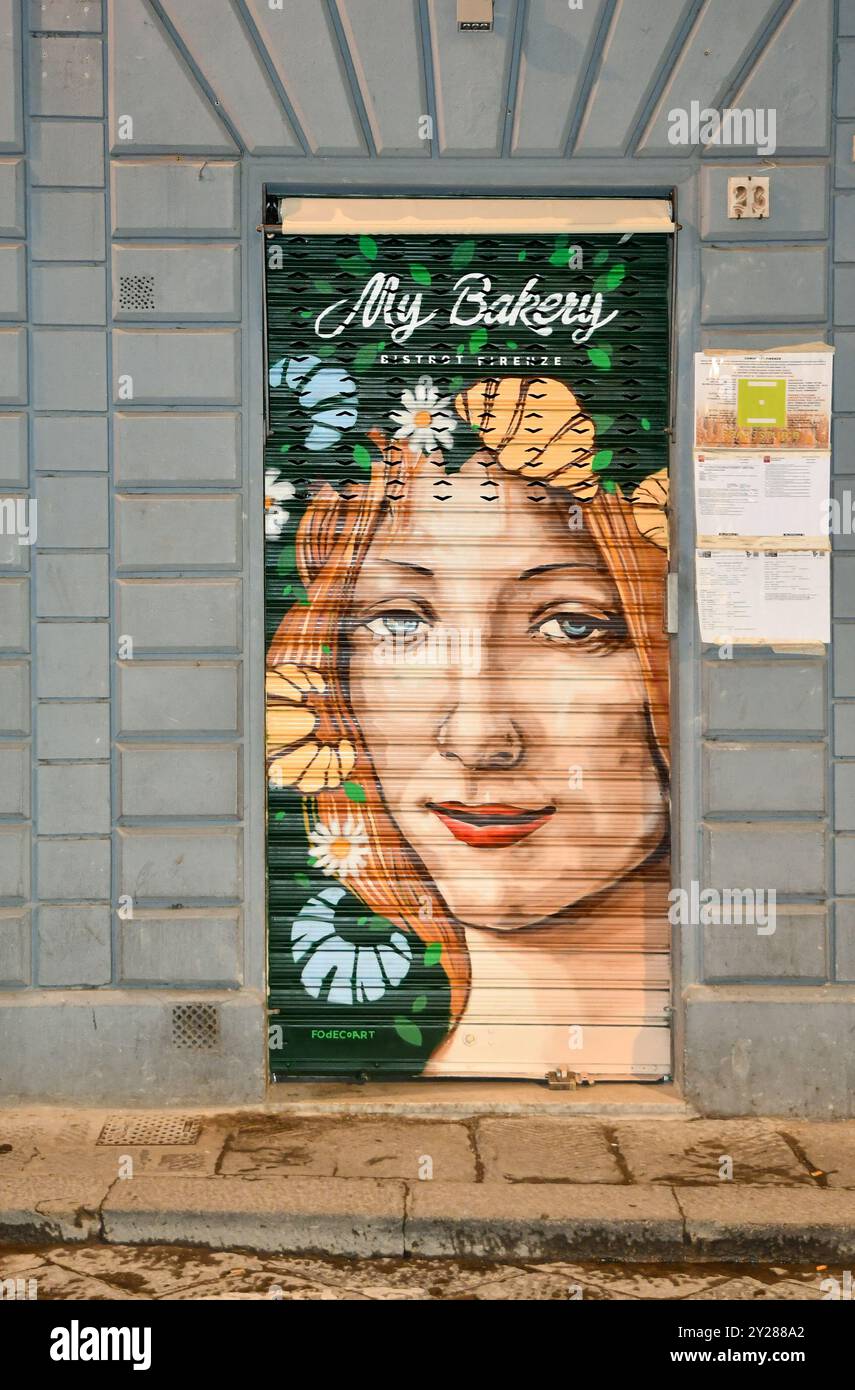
(136, 292)
(196, 1026)
(150, 1130)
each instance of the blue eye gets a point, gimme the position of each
(578, 627)
(397, 625)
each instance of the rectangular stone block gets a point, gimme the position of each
(176, 532)
(73, 511)
(180, 780)
(159, 697)
(70, 153)
(76, 16)
(65, 77)
(844, 227)
(77, 442)
(844, 295)
(844, 864)
(797, 211)
(74, 730)
(177, 367)
(14, 615)
(74, 798)
(74, 946)
(176, 864)
(843, 445)
(843, 654)
(774, 696)
(12, 184)
(174, 948)
(73, 585)
(72, 870)
(844, 731)
(844, 924)
(13, 283)
(69, 294)
(181, 447)
(14, 466)
(11, 104)
(14, 779)
(762, 286)
(67, 226)
(14, 697)
(13, 366)
(14, 860)
(73, 661)
(196, 197)
(746, 778)
(198, 281)
(787, 857)
(181, 614)
(14, 948)
(845, 102)
(843, 586)
(70, 369)
(795, 950)
(843, 394)
(844, 796)
(18, 533)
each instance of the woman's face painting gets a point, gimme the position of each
(501, 699)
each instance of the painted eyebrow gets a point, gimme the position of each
(405, 565)
(547, 569)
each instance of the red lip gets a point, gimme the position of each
(489, 826)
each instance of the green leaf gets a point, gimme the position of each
(521, 256)
(600, 358)
(513, 346)
(324, 349)
(601, 257)
(353, 791)
(409, 1032)
(327, 650)
(379, 924)
(302, 880)
(368, 247)
(285, 591)
(305, 313)
(280, 815)
(301, 595)
(420, 1004)
(611, 279)
(461, 351)
(603, 423)
(645, 423)
(602, 460)
(420, 274)
(560, 256)
(433, 953)
(455, 383)
(608, 485)
(361, 456)
(477, 340)
(287, 560)
(284, 448)
(324, 287)
(462, 254)
(366, 356)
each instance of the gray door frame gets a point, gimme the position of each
(468, 178)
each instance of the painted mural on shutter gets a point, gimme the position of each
(467, 675)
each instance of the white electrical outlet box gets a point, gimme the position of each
(748, 197)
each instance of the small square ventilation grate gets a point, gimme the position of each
(196, 1027)
(136, 292)
(149, 1129)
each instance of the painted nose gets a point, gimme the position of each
(480, 739)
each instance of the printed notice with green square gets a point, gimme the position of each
(761, 401)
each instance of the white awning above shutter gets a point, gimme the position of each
(481, 216)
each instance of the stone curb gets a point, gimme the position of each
(374, 1217)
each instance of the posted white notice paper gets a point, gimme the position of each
(754, 494)
(763, 400)
(764, 596)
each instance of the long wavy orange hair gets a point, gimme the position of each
(333, 540)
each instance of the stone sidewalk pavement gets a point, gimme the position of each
(542, 1187)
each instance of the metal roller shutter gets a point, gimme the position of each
(467, 672)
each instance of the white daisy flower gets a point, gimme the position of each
(425, 423)
(352, 974)
(339, 849)
(276, 491)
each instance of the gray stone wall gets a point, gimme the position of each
(135, 139)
